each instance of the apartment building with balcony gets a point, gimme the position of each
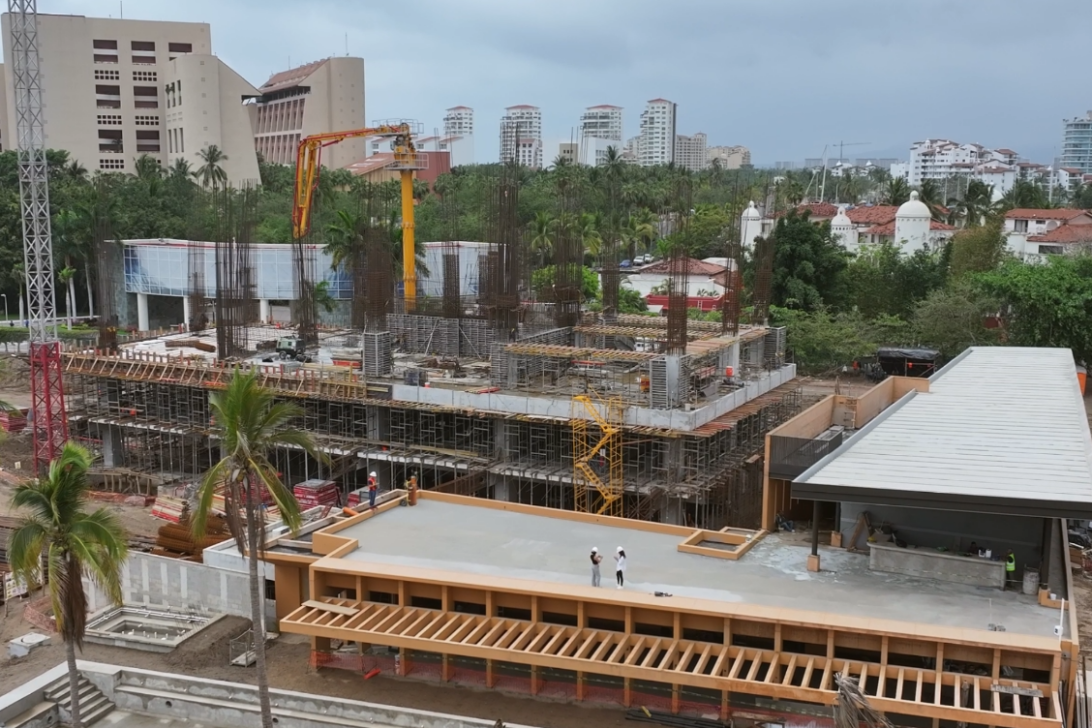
(691, 152)
(317, 97)
(657, 140)
(600, 129)
(729, 157)
(521, 136)
(1077, 143)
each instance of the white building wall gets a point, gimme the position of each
(519, 123)
(6, 140)
(203, 101)
(459, 121)
(75, 74)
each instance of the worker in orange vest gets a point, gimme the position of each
(373, 487)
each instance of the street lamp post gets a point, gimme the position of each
(5, 297)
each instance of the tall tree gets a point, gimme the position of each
(978, 249)
(1024, 195)
(809, 264)
(211, 172)
(74, 544)
(541, 231)
(896, 192)
(250, 423)
(976, 203)
(930, 194)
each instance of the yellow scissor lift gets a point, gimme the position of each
(597, 454)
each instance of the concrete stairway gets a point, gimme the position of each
(93, 704)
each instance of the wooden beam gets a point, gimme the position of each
(808, 669)
(327, 607)
(608, 641)
(737, 664)
(790, 671)
(493, 633)
(635, 653)
(476, 633)
(653, 653)
(588, 642)
(699, 666)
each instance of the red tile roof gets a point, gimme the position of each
(818, 210)
(1065, 234)
(605, 106)
(888, 228)
(1071, 170)
(695, 267)
(521, 106)
(460, 108)
(1006, 151)
(1028, 214)
(659, 101)
(291, 77)
(874, 215)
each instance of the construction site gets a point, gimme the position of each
(456, 377)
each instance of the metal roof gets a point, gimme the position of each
(1001, 430)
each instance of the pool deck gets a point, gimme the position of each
(516, 545)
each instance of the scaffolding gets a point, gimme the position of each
(598, 485)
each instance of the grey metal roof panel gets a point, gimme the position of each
(1004, 424)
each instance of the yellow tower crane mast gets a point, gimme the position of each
(406, 160)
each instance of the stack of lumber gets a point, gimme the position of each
(177, 538)
(170, 508)
(315, 492)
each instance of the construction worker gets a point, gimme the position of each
(373, 488)
(1010, 568)
(596, 559)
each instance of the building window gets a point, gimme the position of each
(143, 60)
(180, 47)
(143, 45)
(110, 119)
(147, 141)
(146, 120)
(145, 76)
(146, 97)
(118, 163)
(110, 141)
(108, 97)
(105, 58)
(1021, 226)
(182, 141)
(102, 75)
(106, 45)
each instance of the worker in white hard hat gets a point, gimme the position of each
(373, 487)
(596, 559)
(620, 567)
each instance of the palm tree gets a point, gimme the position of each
(896, 192)
(976, 204)
(322, 298)
(74, 544)
(587, 227)
(345, 240)
(930, 194)
(250, 424)
(541, 230)
(211, 173)
(180, 171)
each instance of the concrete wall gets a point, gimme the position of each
(953, 530)
(929, 564)
(156, 581)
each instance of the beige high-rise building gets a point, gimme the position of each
(690, 151)
(319, 97)
(102, 85)
(203, 106)
(730, 157)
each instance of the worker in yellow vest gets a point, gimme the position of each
(1010, 568)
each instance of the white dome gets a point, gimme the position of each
(751, 213)
(914, 208)
(841, 219)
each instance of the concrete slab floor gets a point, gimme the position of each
(125, 719)
(774, 573)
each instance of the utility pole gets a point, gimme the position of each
(46, 387)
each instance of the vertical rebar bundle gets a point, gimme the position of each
(197, 303)
(503, 268)
(679, 269)
(568, 260)
(733, 289)
(452, 307)
(235, 303)
(760, 297)
(378, 279)
(303, 261)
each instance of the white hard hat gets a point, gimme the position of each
(595, 549)
(372, 474)
(619, 549)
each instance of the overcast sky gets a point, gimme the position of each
(783, 77)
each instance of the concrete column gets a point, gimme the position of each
(142, 311)
(263, 310)
(186, 313)
(112, 453)
(500, 490)
(674, 513)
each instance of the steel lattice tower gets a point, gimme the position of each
(46, 387)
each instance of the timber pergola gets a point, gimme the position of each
(773, 674)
